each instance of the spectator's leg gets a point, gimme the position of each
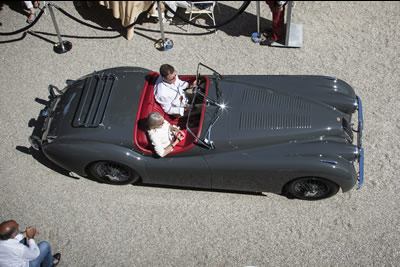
(278, 22)
(32, 11)
(183, 4)
(173, 6)
(45, 258)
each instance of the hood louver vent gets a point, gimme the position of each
(94, 101)
(270, 98)
(265, 121)
(269, 119)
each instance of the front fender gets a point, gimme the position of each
(331, 167)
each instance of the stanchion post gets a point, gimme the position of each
(61, 46)
(256, 36)
(163, 44)
(258, 17)
(160, 19)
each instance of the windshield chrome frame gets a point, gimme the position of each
(209, 101)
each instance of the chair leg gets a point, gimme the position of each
(213, 18)
(190, 19)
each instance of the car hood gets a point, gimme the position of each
(259, 115)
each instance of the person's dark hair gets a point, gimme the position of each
(7, 235)
(166, 69)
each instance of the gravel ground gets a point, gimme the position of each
(94, 224)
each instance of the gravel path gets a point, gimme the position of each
(94, 224)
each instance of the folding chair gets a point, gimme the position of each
(199, 8)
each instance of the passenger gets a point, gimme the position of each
(163, 136)
(171, 93)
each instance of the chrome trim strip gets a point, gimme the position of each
(361, 171)
(359, 143)
(329, 161)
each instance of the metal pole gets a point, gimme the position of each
(258, 18)
(61, 46)
(288, 22)
(256, 36)
(160, 18)
(163, 44)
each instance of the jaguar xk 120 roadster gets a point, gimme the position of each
(262, 133)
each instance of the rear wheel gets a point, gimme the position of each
(312, 188)
(113, 173)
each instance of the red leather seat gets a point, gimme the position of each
(146, 106)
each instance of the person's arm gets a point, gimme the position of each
(157, 137)
(177, 132)
(32, 251)
(170, 147)
(193, 85)
(169, 104)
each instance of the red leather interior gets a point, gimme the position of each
(147, 105)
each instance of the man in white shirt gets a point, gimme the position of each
(169, 92)
(16, 254)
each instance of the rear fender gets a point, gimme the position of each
(76, 157)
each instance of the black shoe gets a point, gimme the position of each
(56, 259)
(267, 41)
(267, 32)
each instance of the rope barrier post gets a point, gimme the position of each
(61, 46)
(163, 44)
(256, 36)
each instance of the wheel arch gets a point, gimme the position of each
(78, 156)
(332, 168)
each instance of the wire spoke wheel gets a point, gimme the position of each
(113, 173)
(312, 188)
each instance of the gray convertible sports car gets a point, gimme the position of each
(262, 133)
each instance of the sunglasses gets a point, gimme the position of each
(169, 80)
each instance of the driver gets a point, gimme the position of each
(172, 93)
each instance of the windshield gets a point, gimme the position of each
(209, 98)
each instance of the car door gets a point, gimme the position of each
(186, 169)
(246, 171)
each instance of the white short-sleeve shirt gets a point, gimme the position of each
(171, 97)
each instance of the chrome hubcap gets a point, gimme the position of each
(311, 188)
(113, 172)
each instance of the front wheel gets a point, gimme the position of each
(312, 188)
(113, 173)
